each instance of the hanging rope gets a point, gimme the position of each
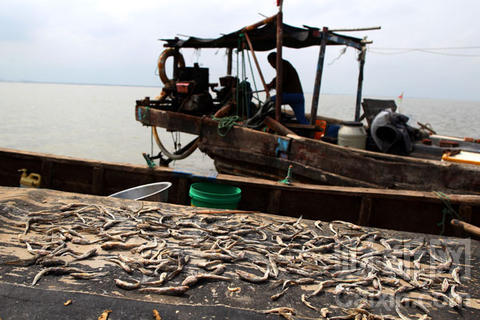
(253, 78)
(447, 211)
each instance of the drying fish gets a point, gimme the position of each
(86, 255)
(216, 256)
(253, 278)
(159, 282)
(87, 275)
(282, 311)
(401, 315)
(192, 280)
(456, 297)
(104, 315)
(156, 315)
(165, 290)
(122, 264)
(415, 303)
(445, 285)
(308, 304)
(36, 252)
(118, 245)
(278, 295)
(127, 285)
(416, 261)
(273, 264)
(321, 286)
(456, 275)
(145, 247)
(440, 296)
(54, 270)
(110, 223)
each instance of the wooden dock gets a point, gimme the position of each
(266, 266)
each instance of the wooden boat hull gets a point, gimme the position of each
(391, 209)
(250, 152)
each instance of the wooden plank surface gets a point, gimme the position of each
(248, 242)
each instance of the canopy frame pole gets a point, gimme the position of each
(279, 67)
(361, 59)
(318, 76)
(257, 64)
(260, 23)
(229, 61)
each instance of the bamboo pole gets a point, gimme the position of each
(257, 64)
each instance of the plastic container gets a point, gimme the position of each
(213, 195)
(157, 191)
(31, 180)
(352, 134)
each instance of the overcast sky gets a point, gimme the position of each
(116, 42)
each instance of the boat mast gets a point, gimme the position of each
(279, 68)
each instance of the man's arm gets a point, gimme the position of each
(272, 84)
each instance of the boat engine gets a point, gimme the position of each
(191, 92)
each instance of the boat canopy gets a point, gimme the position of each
(263, 38)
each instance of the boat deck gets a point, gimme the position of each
(250, 263)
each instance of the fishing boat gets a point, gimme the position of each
(255, 138)
(404, 210)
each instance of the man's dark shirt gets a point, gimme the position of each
(291, 82)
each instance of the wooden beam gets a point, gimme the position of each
(279, 67)
(467, 227)
(365, 213)
(229, 61)
(277, 126)
(361, 59)
(318, 76)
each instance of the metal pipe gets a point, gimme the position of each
(257, 64)
(278, 67)
(318, 76)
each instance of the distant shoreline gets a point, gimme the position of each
(81, 84)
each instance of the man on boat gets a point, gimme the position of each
(292, 88)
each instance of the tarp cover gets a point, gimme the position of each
(264, 38)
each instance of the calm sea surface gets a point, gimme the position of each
(98, 122)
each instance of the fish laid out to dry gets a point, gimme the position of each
(157, 251)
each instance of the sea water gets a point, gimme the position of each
(97, 122)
